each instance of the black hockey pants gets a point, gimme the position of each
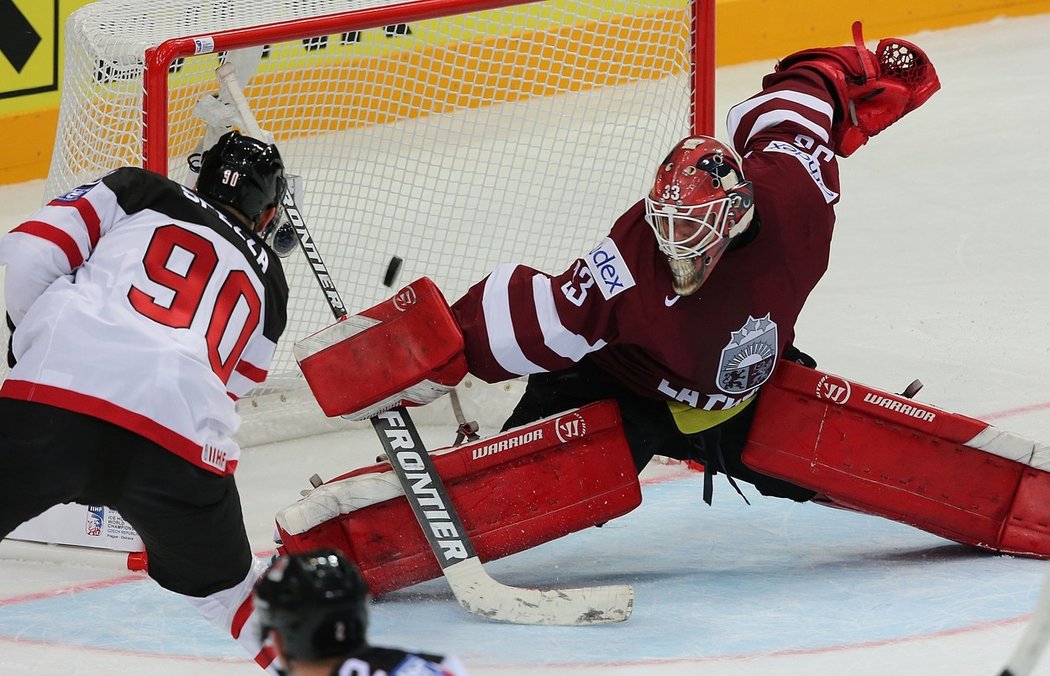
(649, 426)
(189, 519)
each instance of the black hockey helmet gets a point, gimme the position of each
(316, 603)
(244, 173)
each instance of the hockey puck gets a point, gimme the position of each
(392, 269)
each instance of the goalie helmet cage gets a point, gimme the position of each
(452, 134)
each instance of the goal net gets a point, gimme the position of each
(453, 135)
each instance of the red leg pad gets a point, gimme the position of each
(885, 455)
(514, 491)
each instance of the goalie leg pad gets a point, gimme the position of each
(524, 487)
(885, 455)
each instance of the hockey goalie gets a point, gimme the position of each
(673, 337)
(838, 442)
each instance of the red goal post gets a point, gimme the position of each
(453, 134)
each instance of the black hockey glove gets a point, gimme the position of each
(11, 337)
(792, 353)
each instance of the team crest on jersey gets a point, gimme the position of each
(748, 360)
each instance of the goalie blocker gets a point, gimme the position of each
(885, 455)
(514, 491)
(405, 351)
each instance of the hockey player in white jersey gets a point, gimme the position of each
(314, 609)
(141, 310)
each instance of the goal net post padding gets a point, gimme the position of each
(454, 135)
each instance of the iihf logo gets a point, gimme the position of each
(95, 518)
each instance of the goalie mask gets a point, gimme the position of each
(245, 174)
(314, 605)
(698, 203)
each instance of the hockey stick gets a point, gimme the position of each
(1033, 641)
(472, 586)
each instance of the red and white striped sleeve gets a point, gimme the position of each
(792, 103)
(252, 368)
(53, 242)
(518, 321)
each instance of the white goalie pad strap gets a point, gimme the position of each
(331, 500)
(332, 335)
(1012, 447)
(417, 395)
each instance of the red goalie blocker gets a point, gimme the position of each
(513, 491)
(886, 455)
(405, 351)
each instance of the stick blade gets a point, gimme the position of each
(480, 595)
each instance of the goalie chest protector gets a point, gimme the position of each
(886, 455)
(514, 491)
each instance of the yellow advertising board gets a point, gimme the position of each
(31, 49)
(28, 48)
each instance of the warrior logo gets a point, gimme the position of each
(404, 298)
(95, 518)
(570, 427)
(748, 360)
(833, 389)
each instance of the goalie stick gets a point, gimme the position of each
(472, 586)
(1036, 635)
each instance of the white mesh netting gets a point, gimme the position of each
(512, 134)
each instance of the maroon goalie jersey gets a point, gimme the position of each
(616, 306)
(137, 302)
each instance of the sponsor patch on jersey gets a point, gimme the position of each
(609, 269)
(213, 457)
(748, 359)
(412, 665)
(76, 193)
(811, 164)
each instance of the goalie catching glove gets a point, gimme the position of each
(406, 351)
(871, 90)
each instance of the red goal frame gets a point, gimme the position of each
(158, 60)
